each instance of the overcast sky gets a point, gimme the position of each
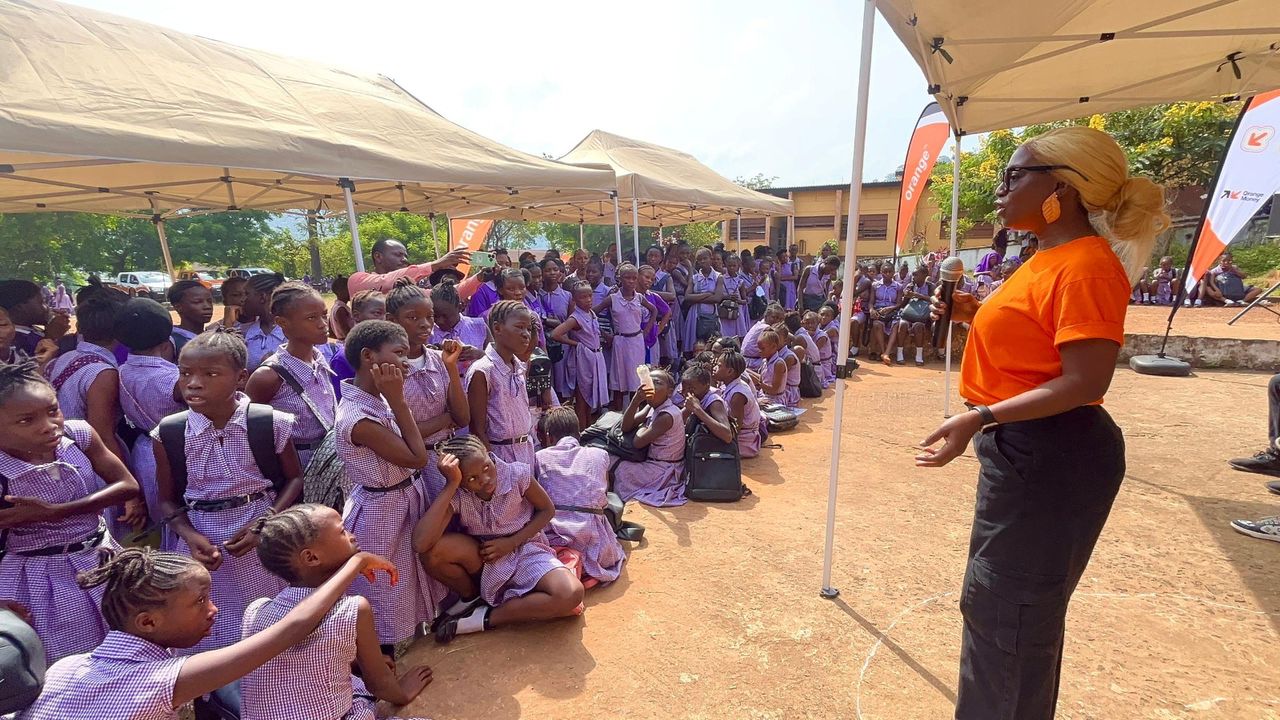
(745, 86)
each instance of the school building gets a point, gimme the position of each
(817, 206)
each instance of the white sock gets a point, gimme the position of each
(919, 354)
(459, 607)
(899, 354)
(475, 622)
(1146, 297)
(853, 352)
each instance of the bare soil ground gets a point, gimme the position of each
(717, 614)
(1258, 324)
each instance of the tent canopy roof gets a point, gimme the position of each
(108, 114)
(1002, 64)
(669, 188)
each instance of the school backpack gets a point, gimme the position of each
(622, 529)
(324, 479)
(606, 433)
(22, 663)
(260, 426)
(810, 385)
(779, 418)
(712, 468)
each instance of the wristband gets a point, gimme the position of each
(988, 418)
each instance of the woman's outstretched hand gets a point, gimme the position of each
(956, 432)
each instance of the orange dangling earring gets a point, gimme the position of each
(1051, 209)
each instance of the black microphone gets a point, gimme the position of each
(949, 274)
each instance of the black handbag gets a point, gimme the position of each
(708, 325)
(538, 374)
(810, 385)
(606, 433)
(916, 311)
(756, 307)
(727, 310)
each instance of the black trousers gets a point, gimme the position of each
(1044, 492)
(1273, 409)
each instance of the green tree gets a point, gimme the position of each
(759, 181)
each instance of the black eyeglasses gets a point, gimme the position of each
(1010, 173)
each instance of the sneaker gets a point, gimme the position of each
(1266, 462)
(1274, 487)
(1264, 529)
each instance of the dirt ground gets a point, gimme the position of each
(1205, 322)
(717, 614)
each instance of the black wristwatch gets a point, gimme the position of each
(988, 417)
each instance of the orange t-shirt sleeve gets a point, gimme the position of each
(1091, 309)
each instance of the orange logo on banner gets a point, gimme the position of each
(926, 144)
(470, 233)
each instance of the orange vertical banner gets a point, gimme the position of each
(470, 233)
(926, 144)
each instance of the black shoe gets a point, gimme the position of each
(1266, 462)
(1274, 487)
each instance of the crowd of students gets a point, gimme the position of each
(154, 535)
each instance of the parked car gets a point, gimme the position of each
(248, 272)
(211, 279)
(143, 283)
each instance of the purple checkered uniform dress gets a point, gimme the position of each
(383, 521)
(426, 390)
(577, 476)
(315, 377)
(146, 396)
(698, 283)
(659, 480)
(827, 351)
(628, 352)
(220, 465)
(124, 678)
(749, 434)
(751, 346)
(258, 343)
(590, 373)
(508, 411)
(812, 354)
(67, 618)
(506, 513)
(73, 397)
(470, 331)
(737, 326)
(311, 680)
(558, 303)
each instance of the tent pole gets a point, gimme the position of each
(635, 226)
(846, 296)
(617, 227)
(347, 186)
(435, 241)
(582, 235)
(158, 220)
(659, 234)
(739, 231)
(955, 235)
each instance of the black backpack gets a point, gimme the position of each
(260, 425)
(606, 433)
(810, 385)
(712, 468)
(22, 663)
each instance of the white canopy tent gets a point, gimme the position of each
(995, 64)
(108, 114)
(657, 185)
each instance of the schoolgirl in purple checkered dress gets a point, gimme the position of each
(627, 307)
(829, 328)
(451, 324)
(558, 303)
(580, 334)
(154, 601)
(740, 402)
(773, 376)
(382, 450)
(773, 314)
(706, 289)
(576, 479)
(225, 491)
(299, 312)
(735, 289)
(60, 477)
(503, 511)
(496, 385)
(656, 481)
(704, 402)
(306, 545)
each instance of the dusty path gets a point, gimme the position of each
(717, 614)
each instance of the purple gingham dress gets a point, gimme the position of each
(574, 475)
(220, 465)
(67, 618)
(733, 285)
(73, 397)
(827, 351)
(812, 354)
(508, 410)
(669, 341)
(506, 513)
(258, 343)
(628, 352)
(590, 374)
(558, 304)
(324, 658)
(784, 397)
(698, 283)
(659, 480)
(383, 521)
(124, 678)
(315, 377)
(426, 390)
(470, 331)
(749, 433)
(751, 345)
(146, 396)
(792, 394)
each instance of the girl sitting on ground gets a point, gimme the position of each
(503, 510)
(703, 402)
(576, 479)
(657, 481)
(740, 403)
(306, 546)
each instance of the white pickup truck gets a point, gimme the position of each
(143, 283)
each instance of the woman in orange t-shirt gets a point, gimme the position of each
(1040, 355)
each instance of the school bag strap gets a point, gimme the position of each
(173, 436)
(296, 386)
(73, 367)
(261, 426)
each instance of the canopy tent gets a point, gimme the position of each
(1053, 61)
(657, 185)
(996, 64)
(108, 114)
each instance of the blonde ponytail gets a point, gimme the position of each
(1128, 211)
